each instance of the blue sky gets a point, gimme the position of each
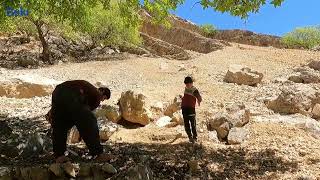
(270, 20)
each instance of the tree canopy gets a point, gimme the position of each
(89, 16)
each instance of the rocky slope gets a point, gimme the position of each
(273, 145)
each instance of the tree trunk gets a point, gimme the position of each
(44, 43)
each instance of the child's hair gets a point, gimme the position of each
(188, 79)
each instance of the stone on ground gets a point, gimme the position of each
(297, 98)
(110, 112)
(173, 107)
(237, 135)
(163, 121)
(133, 108)
(243, 75)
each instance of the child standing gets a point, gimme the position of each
(189, 99)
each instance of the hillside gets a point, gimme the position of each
(278, 146)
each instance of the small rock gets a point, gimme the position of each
(213, 136)
(182, 69)
(314, 65)
(56, 169)
(316, 111)
(306, 177)
(178, 118)
(173, 107)
(243, 75)
(74, 136)
(237, 135)
(223, 130)
(107, 130)
(34, 146)
(70, 169)
(112, 113)
(163, 121)
(108, 168)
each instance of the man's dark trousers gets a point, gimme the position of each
(69, 109)
(189, 117)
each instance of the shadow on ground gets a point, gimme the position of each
(168, 161)
(171, 161)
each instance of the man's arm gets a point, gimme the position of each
(198, 96)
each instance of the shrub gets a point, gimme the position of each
(208, 29)
(306, 37)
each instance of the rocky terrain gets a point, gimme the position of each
(258, 120)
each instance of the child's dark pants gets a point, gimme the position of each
(189, 117)
(69, 109)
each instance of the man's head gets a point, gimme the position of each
(188, 81)
(106, 93)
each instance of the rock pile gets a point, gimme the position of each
(229, 123)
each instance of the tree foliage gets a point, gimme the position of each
(307, 37)
(97, 17)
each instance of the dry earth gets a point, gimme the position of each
(273, 151)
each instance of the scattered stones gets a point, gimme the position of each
(5, 173)
(21, 89)
(141, 172)
(34, 146)
(237, 135)
(221, 122)
(107, 130)
(9, 150)
(243, 75)
(305, 75)
(295, 99)
(5, 130)
(134, 109)
(27, 61)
